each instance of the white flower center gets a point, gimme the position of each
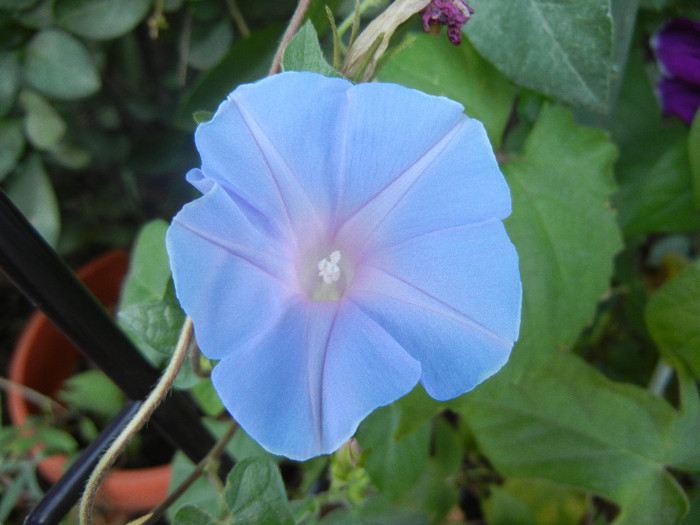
(329, 272)
(329, 269)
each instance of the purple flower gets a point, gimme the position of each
(348, 244)
(451, 13)
(677, 48)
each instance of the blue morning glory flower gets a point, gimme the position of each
(348, 244)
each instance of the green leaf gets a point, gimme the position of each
(394, 465)
(9, 80)
(657, 4)
(673, 318)
(693, 516)
(681, 437)
(193, 515)
(92, 391)
(563, 227)
(375, 510)
(149, 271)
(432, 64)
(158, 324)
(416, 407)
(202, 494)
(247, 60)
(694, 158)
(12, 493)
(149, 311)
(636, 119)
(210, 42)
(566, 422)
(436, 493)
(70, 156)
(32, 192)
(207, 398)
(534, 501)
(100, 19)
(303, 53)
(654, 173)
(11, 145)
(55, 441)
(563, 49)
(656, 188)
(17, 5)
(200, 117)
(60, 66)
(42, 123)
(255, 494)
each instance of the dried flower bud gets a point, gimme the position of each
(451, 13)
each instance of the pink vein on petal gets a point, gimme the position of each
(317, 366)
(240, 251)
(380, 205)
(447, 311)
(292, 191)
(442, 229)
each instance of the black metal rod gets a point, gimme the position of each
(63, 494)
(40, 274)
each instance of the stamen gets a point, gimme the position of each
(329, 269)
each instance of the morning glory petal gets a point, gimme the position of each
(455, 355)
(303, 386)
(457, 183)
(240, 268)
(383, 117)
(364, 368)
(273, 150)
(471, 269)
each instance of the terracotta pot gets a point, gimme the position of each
(43, 358)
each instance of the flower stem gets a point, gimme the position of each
(46, 403)
(294, 24)
(195, 356)
(238, 18)
(207, 461)
(349, 21)
(144, 413)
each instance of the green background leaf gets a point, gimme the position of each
(100, 19)
(209, 44)
(563, 49)
(60, 66)
(656, 188)
(9, 81)
(255, 494)
(43, 125)
(149, 273)
(11, 145)
(192, 515)
(563, 421)
(93, 392)
(563, 227)
(304, 53)
(694, 158)
(673, 318)
(247, 60)
(33, 194)
(386, 463)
